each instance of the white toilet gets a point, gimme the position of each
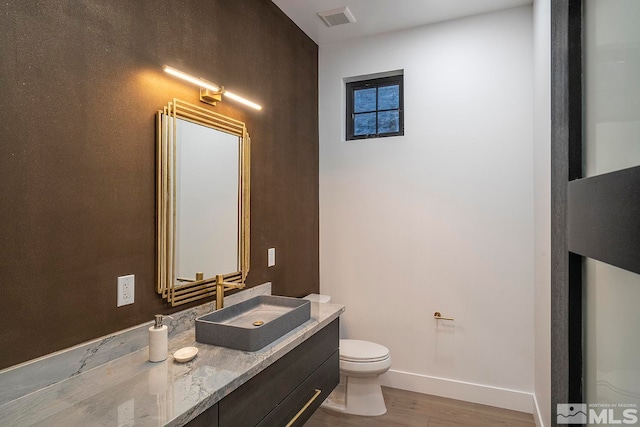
(361, 364)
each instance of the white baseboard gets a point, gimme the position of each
(460, 390)
(537, 416)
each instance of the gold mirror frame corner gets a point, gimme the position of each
(166, 200)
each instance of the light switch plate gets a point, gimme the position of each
(126, 290)
(271, 257)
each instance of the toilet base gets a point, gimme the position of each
(357, 396)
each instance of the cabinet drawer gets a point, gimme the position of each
(250, 403)
(307, 397)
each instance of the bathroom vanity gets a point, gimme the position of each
(289, 377)
(285, 393)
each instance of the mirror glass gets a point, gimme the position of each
(203, 201)
(207, 200)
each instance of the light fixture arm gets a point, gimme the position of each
(209, 96)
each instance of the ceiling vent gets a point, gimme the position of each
(338, 16)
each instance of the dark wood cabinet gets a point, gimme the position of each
(291, 388)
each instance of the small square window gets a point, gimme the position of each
(374, 108)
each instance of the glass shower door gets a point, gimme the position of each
(611, 155)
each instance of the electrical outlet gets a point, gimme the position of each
(126, 290)
(271, 257)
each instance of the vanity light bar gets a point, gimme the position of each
(191, 79)
(208, 85)
(242, 100)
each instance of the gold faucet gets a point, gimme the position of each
(222, 286)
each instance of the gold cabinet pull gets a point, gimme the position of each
(437, 315)
(304, 408)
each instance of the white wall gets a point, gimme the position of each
(442, 218)
(542, 208)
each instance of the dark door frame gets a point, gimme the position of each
(566, 165)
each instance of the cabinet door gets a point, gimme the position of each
(254, 400)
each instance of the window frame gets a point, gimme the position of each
(351, 87)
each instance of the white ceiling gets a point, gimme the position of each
(382, 16)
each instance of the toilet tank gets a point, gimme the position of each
(318, 298)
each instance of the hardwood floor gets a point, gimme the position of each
(408, 409)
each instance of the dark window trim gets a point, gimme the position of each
(369, 83)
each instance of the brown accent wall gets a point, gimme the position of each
(80, 82)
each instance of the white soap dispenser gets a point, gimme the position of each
(158, 340)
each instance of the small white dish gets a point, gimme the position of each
(185, 354)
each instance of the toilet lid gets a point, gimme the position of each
(362, 351)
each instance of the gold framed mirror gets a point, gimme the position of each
(203, 194)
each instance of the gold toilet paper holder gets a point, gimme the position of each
(438, 316)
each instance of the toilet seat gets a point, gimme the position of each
(359, 351)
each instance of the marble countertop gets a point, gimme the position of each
(131, 390)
